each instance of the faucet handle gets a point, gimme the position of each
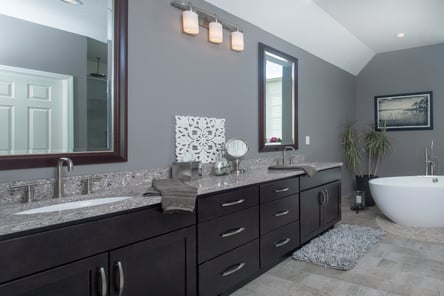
(28, 190)
(89, 181)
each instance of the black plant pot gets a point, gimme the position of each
(362, 185)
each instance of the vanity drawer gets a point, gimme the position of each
(278, 189)
(223, 234)
(279, 213)
(226, 203)
(321, 177)
(276, 245)
(223, 273)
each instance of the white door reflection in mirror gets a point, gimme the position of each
(35, 108)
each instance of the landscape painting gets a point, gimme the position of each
(404, 112)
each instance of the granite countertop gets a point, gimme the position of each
(13, 224)
(210, 184)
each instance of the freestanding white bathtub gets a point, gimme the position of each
(411, 201)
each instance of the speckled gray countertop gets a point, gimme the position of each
(13, 224)
(211, 184)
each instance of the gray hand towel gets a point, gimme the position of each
(308, 169)
(176, 195)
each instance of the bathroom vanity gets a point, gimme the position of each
(242, 226)
(123, 252)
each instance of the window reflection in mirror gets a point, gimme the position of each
(54, 77)
(277, 99)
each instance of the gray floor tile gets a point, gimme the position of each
(396, 266)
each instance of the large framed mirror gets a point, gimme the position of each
(63, 82)
(278, 99)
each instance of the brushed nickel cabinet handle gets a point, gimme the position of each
(321, 198)
(103, 283)
(232, 232)
(282, 213)
(233, 203)
(282, 242)
(233, 269)
(121, 278)
(281, 190)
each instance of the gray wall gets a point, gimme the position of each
(404, 71)
(171, 73)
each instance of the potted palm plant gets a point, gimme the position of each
(374, 144)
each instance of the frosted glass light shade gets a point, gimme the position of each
(215, 33)
(190, 22)
(237, 41)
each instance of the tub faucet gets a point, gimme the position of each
(59, 188)
(429, 161)
(284, 155)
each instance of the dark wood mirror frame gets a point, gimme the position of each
(120, 100)
(262, 100)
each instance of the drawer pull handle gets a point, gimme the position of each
(233, 269)
(282, 242)
(233, 203)
(281, 190)
(232, 232)
(103, 284)
(120, 281)
(281, 213)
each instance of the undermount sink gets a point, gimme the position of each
(285, 167)
(74, 205)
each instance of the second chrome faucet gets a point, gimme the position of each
(59, 185)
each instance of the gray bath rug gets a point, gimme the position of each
(341, 247)
(434, 235)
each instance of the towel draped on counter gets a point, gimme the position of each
(176, 195)
(308, 169)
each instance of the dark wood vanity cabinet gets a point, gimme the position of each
(164, 265)
(228, 240)
(320, 203)
(234, 236)
(84, 277)
(279, 220)
(137, 253)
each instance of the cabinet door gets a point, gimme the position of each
(310, 216)
(85, 277)
(332, 209)
(162, 266)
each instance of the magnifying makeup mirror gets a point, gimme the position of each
(236, 149)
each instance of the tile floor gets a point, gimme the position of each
(396, 266)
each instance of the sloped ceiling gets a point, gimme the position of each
(346, 33)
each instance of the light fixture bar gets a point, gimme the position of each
(205, 17)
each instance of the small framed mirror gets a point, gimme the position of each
(278, 99)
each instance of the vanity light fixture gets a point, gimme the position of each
(190, 22)
(400, 35)
(72, 2)
(193, 17)
(237, 40)
(215, 32)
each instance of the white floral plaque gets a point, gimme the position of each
(198, 138)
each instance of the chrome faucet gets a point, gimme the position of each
(59, 188)
(429, 161)
(284, 155)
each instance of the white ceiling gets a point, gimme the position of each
(90, 19)
(346, 33)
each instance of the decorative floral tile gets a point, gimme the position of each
(199, 138)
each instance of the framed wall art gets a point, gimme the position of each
(413, 111)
